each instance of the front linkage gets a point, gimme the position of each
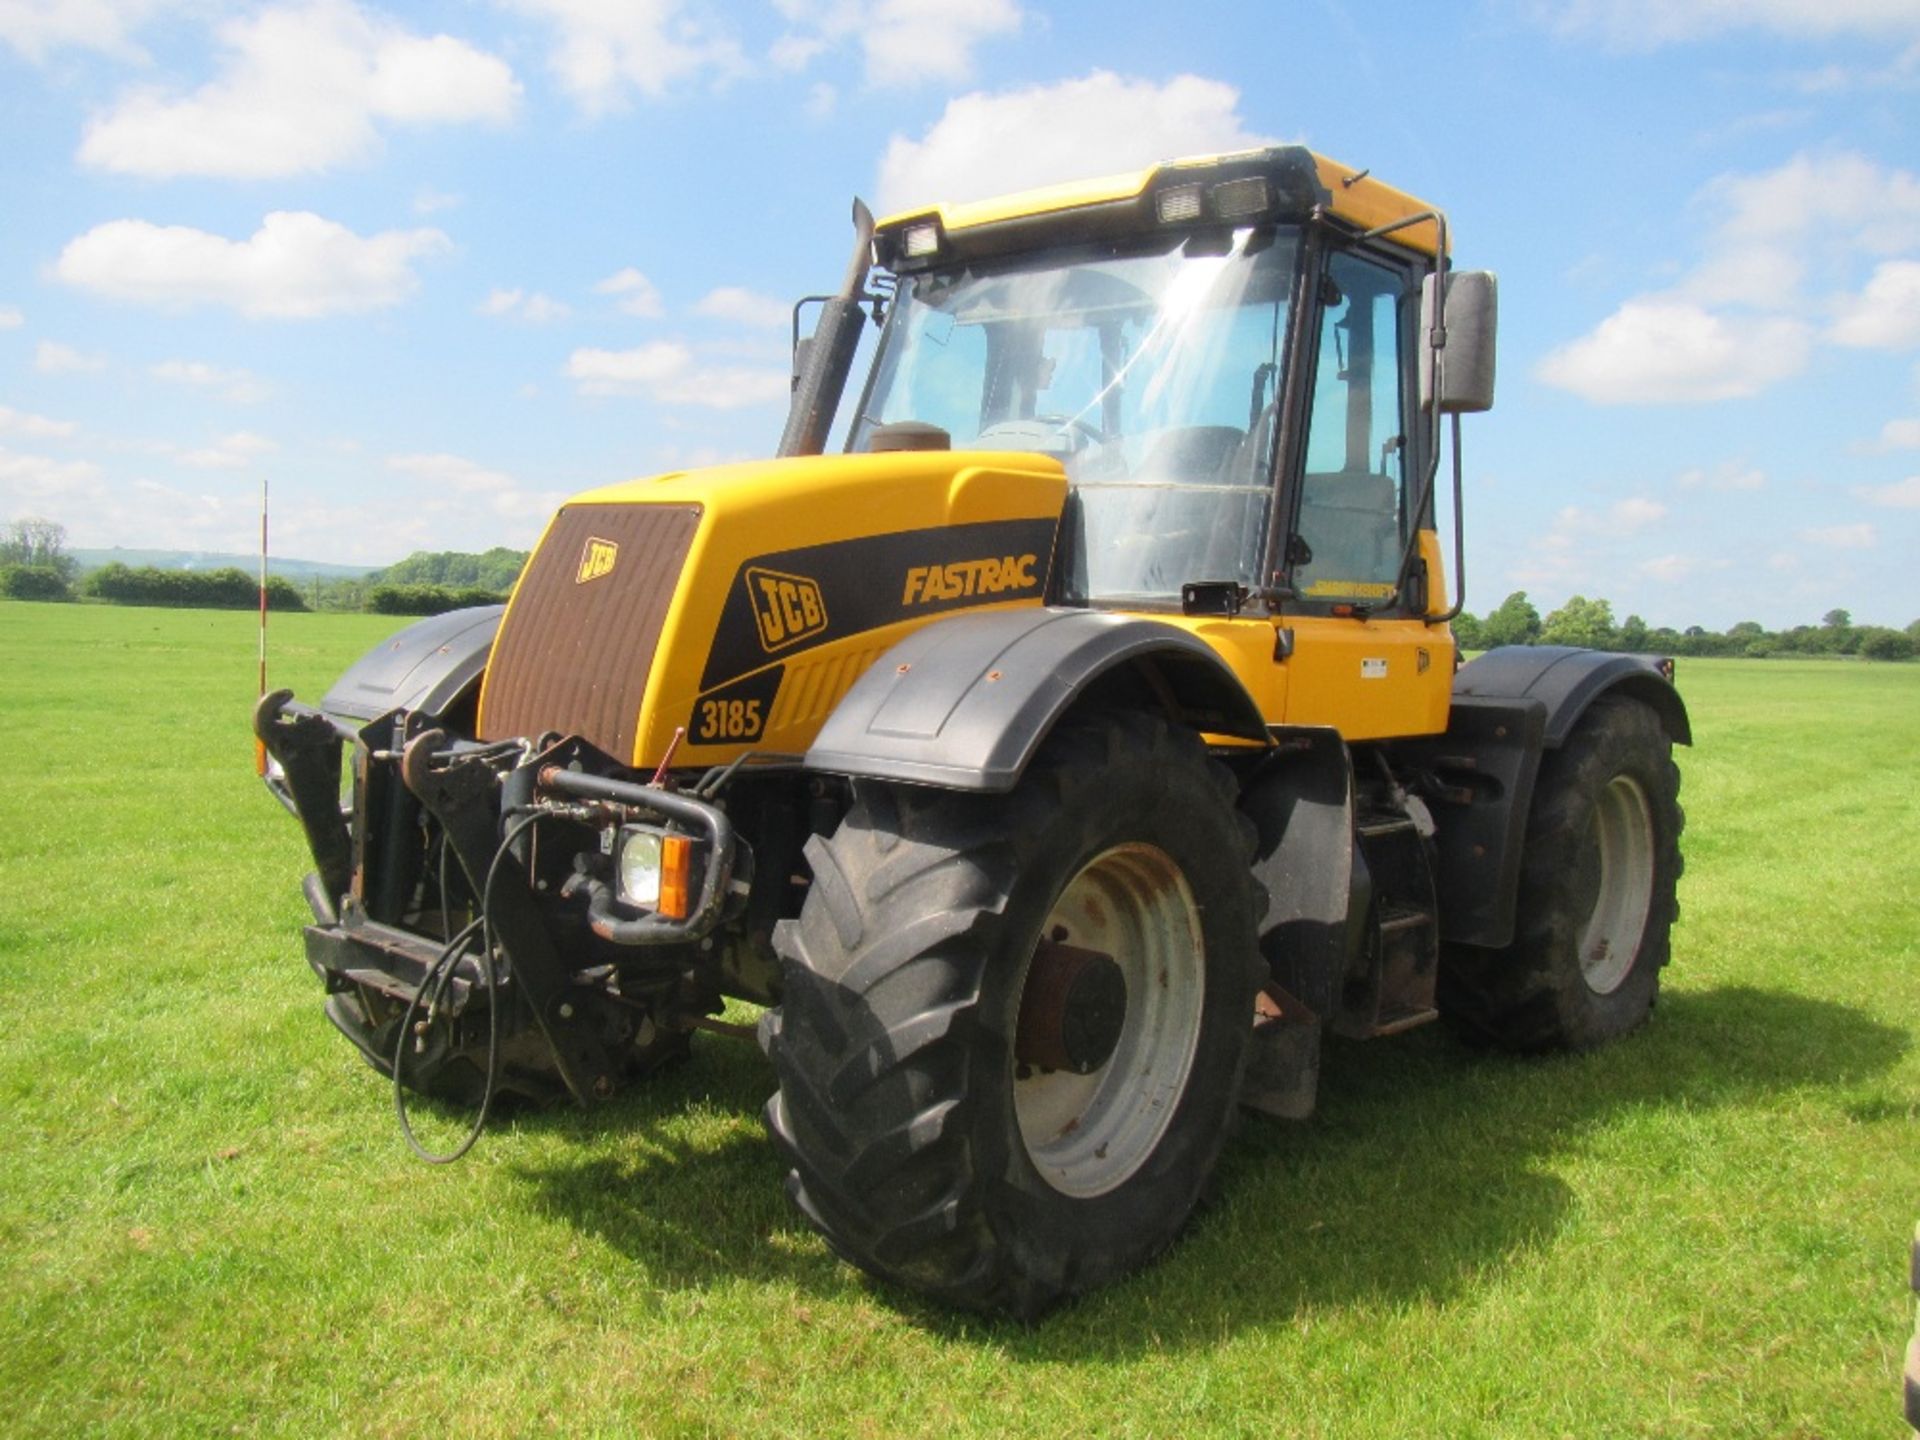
(503, 915)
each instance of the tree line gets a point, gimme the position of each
(35, 565)
(1590, 623)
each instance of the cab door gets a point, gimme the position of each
(1364, 659)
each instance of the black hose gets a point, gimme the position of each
(441, 971)
(441, 962)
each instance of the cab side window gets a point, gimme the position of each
(1353, 520)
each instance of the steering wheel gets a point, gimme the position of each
(1075, 424)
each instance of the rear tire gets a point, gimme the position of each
(1910, 1381)
(925, 1143)
(1596, 901)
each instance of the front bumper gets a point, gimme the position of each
(442, 836)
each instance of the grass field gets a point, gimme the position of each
(208, 1223)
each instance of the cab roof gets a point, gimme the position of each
(1297, 181)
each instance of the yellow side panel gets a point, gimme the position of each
(1247, 646)
(1370, 679)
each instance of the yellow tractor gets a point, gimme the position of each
(1056, 765)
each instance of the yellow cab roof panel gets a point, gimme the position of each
(1352, 195)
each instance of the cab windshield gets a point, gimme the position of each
(1153, 377)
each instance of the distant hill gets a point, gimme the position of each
(215, 560)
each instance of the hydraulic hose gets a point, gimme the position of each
(436, 977)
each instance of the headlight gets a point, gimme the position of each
(639, 866)
(654, 871)
(1180, 203)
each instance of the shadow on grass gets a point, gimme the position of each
(1422, 1175)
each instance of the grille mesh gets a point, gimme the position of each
(573, 655)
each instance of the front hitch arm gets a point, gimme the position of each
(306, 744)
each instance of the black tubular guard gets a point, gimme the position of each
(1510, 706)
(963, 703)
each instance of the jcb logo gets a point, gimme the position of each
(596, 559)
(787, 608)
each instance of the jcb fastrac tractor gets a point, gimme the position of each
(1056, 764)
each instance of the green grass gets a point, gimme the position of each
(208, 1223)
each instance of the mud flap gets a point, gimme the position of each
(1283, 1063)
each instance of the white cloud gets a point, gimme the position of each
(1900, 435)
(1654, 351)
(1727, 476)
(743, 307)
(1841, 194)
(1842, 537)
(29, 481)
(11, 318)
(668, 372)
(436, 79)
(1745, 274)
(1648, 24)
(796, 52)
(535, 309)
(50, 357)
(908, 40)
(904, 41)
(242, 387)
(37, 28)
(985, 144)
(297, 265)
(39, 427)
(1900, 73)
(467, 476)
(431, 202)
(628, 372)
(229, 452)
(300, 90)
(453, 483)
(1886, 315)
(1900, 495)
(637, 293)
(1670, 568)
(729, 387)
(1738, 320)
(1636, 513)
(821, 100)
(606, 48)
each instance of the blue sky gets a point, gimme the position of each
(430, 268)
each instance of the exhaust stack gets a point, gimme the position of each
(828, 356)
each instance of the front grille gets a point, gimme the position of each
(577, 643)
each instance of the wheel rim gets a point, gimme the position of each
(1622, 854)
(1086, 1134)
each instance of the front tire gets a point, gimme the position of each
(1013, 1027)
(1596, 904)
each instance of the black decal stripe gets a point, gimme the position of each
(862, 584)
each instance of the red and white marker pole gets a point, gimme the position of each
(259, 745)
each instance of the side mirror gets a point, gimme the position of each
(1466, 363)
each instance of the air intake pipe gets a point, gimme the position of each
(823, 361)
